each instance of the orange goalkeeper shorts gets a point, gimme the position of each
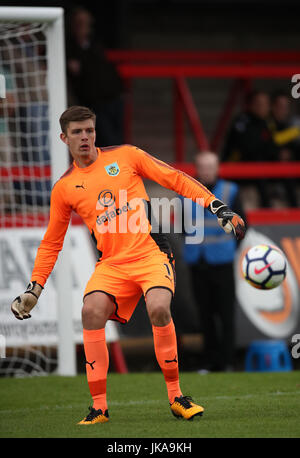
(125, 283)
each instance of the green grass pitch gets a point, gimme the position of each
(237, 405)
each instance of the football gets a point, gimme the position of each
(264, 266)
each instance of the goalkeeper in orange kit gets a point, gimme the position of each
(101, 186)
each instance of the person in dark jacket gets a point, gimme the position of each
(250, 139)
(93, 80)
(286, 135)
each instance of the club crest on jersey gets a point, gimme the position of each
(112, 169)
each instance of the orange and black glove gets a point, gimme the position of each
(228, 220)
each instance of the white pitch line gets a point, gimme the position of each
(145, 402)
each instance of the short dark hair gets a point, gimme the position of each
(75, 113)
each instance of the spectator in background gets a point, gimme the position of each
(250, 139)
(286, 137)
(211, 268)
(284, 132)
(93, 80)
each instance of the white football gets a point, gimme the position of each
(264, 266)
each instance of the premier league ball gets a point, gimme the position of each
(264, 266)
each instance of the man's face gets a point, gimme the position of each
(82, 25)
(80, 138)
(281, 108)
(260, 105)
(207, 167)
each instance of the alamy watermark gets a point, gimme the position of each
(121, 215)
(296, 348)
(296, 88)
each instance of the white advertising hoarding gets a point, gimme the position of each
(18, 248)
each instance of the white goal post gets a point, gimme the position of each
(57, 103)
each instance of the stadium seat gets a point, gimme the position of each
(268, 356)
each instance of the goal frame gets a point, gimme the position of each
(57, 99)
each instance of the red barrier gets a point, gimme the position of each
(24, 220)
(273, 216)
(25, 172)
(208, 71)
(249, 170)
(232, 170)
(130, 56)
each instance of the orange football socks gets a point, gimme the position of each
(97, 362)
(165, 346)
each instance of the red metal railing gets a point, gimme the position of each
(242, 67)
(185, 103)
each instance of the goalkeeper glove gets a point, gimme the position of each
(227, 219)
(24, 303)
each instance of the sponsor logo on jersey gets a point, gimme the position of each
(109, 215)
(106, 198)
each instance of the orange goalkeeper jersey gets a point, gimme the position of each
(110, 197)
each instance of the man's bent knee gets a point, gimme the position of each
(97, 308)
(158, 301)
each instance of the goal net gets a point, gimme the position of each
(28, 168)
(24, 126)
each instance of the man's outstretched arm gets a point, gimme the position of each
(46, 256)
(183, 184)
